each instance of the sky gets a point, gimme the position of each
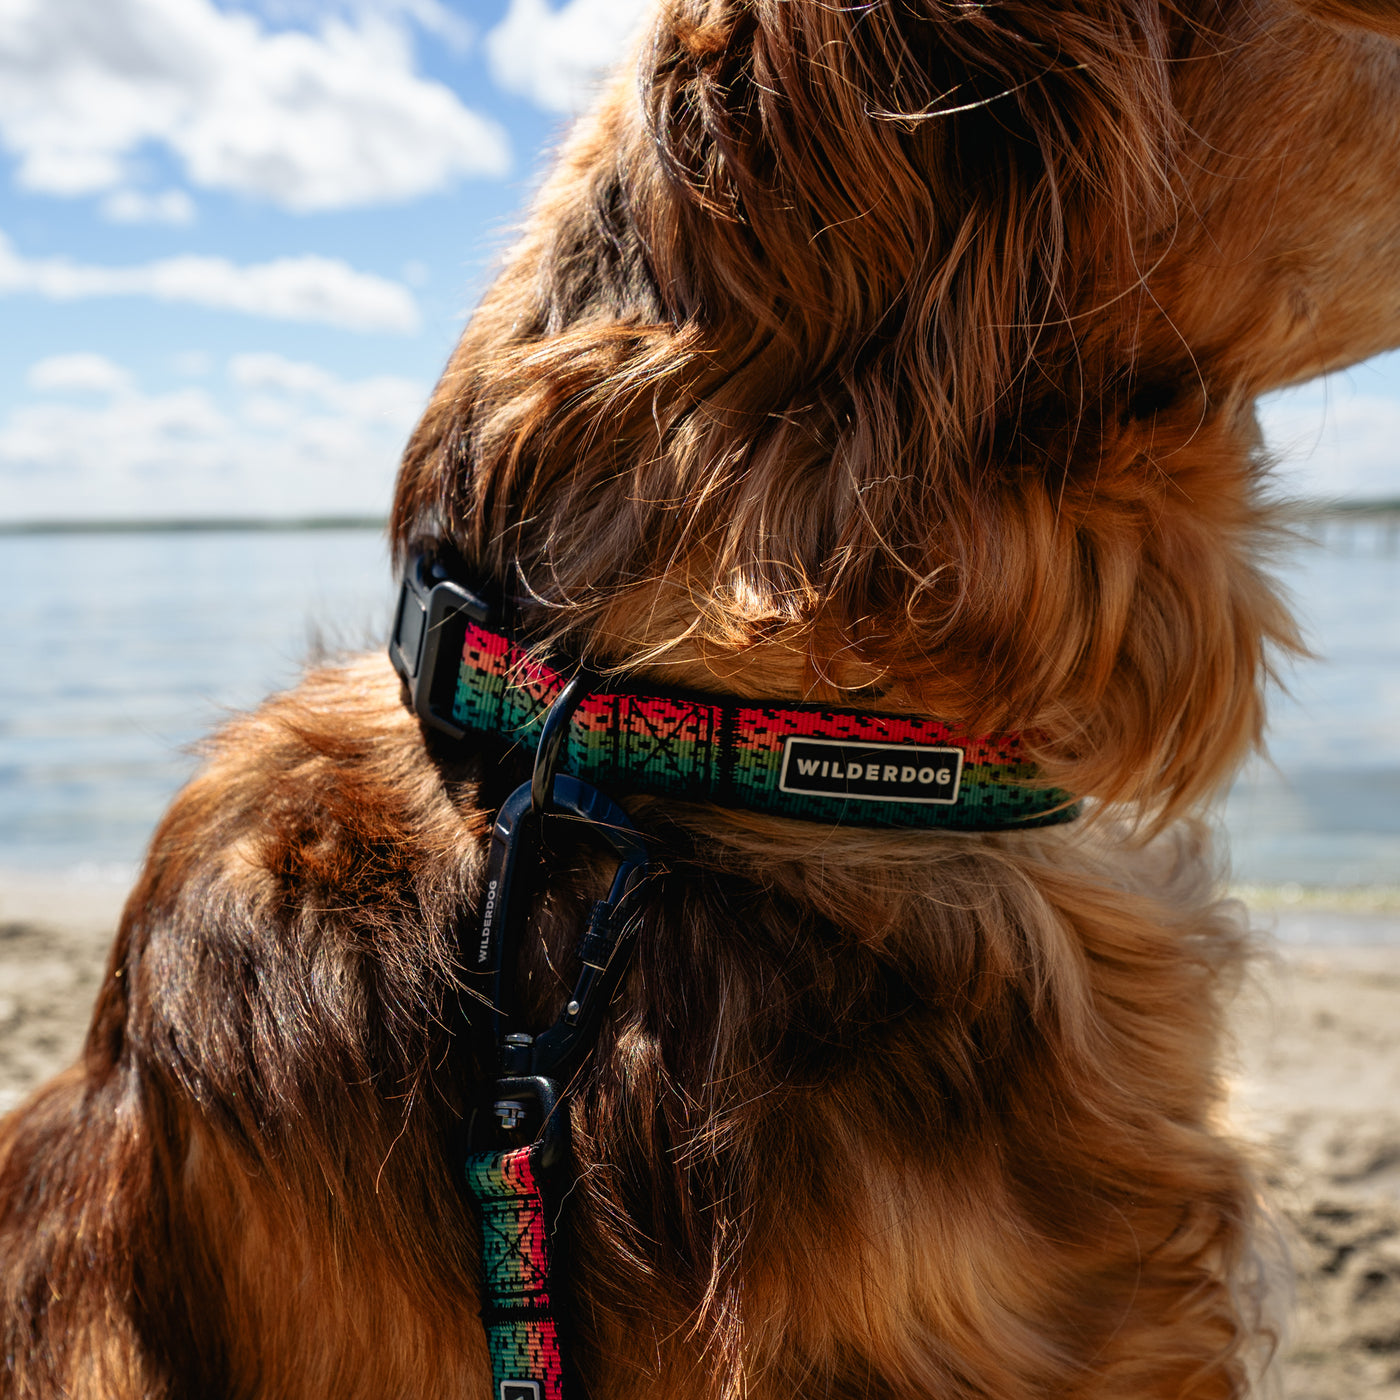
(238, 240)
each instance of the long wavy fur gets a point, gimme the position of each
(896, 351)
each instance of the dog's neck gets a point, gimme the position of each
(468, 675)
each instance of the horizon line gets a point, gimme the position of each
(204, 524)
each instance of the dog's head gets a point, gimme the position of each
(912, 345)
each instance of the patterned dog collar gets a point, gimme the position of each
(787, 759)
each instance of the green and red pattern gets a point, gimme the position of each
(522, 1331)
(701, 748)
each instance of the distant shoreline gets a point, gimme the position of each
(193, 525)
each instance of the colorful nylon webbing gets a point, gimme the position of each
(742, 754)
(522, 1329)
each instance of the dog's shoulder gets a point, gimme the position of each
(325, 785)
(313, 868)
(271, 1023)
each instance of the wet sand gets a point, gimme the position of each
(1316, 1091)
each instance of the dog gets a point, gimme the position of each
(898, 356)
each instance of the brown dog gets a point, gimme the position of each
(900, 355)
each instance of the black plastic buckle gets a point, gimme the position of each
(429, 623)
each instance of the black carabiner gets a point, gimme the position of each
(526, 1095)
(601, 950)
(503, 907)
(530, 1068)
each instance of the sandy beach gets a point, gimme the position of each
(1316, 1092)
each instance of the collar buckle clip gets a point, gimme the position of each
(429, 623)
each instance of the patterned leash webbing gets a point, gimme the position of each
(518, 1303)
(788, 760)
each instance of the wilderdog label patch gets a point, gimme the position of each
(872, 772)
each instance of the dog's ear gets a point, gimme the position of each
(1379, 16)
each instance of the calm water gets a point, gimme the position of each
(118, 651)
(1325, 808)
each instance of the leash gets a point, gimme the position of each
(466, 674)
(518, 1289)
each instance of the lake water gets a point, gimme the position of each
(118, 651)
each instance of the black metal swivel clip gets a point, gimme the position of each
(524, 1102)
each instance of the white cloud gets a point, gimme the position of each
(79, 373)
(307, 288)
(273, 387)
(557, 58)
(323, 120)
(1334, 440)
(274, 437)
(191, 364)
(136, 207)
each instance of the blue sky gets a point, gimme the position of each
(237, 242)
